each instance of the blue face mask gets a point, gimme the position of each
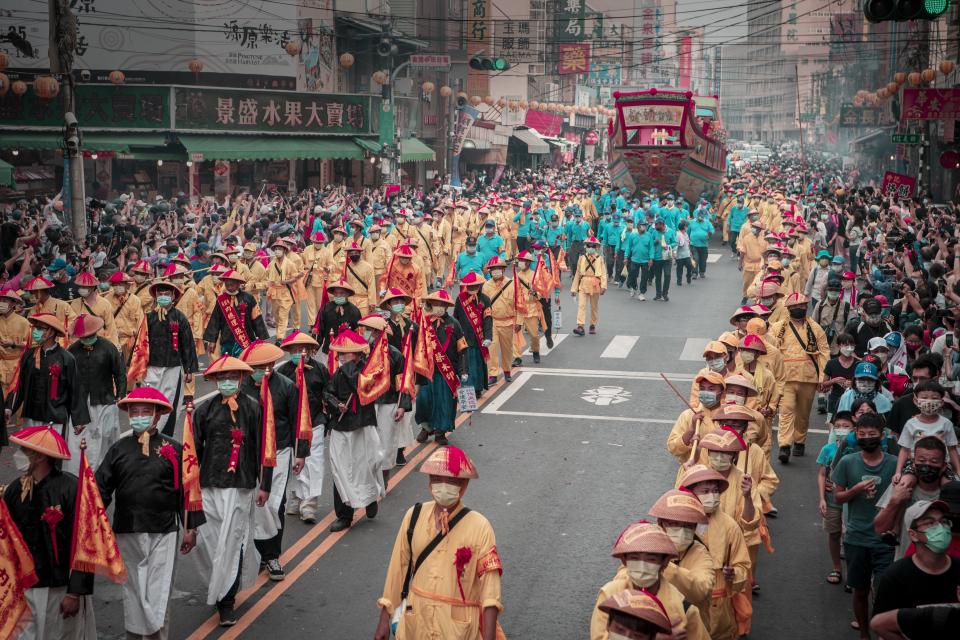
(164, 300)
(258, 374)
(37, 335)
(228, 388)
(295, 358)
(339, 300)
(398, 308)
(89, 340)
(104, 286)
(141, 423)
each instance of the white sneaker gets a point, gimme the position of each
(293, 505)
(632, 293)
(641, 298)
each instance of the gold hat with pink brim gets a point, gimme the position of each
(450, 462)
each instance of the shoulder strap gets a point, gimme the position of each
(499, 293)
(359, 279)
(413, 523)
(437, 540)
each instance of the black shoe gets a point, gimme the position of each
(517, 362)
(679, 284)
(401, 459)
(773, 513)
(507, 376)
(275, 570)
(593, 330)
(228, 617)
(441, 439)
(689, 281)
(666, 298)
(549, 341)
(423, 435)
(372, 509)
(798, 449)
(579, 331)
(492, 380)
(536, 358)
(340, 524)
(658, 298)
(784, 455)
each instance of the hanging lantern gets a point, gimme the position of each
(19, 87)
(46, 87)
(117, 77)
(534, 105)
(900, 77)
(523, 105)
(476, 100)
(292, 48)
(928, 75)
(346, 60)
(858, 101)
(195, 66)
(914, 79)
(946, 67)
(4, 61)
(892, 88)
(512, 105)
(488, 100)
(446, 91)
(427, 87)
(380, 77)
(4, 84)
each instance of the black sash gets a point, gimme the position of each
(806, 348)
(499, 293)
(362, 284)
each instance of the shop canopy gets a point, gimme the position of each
(414, 150)
(369, 144)
(6, 175)
(535, 145)
(48, 140)
(226, 147)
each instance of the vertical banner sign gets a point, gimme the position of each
(465, 118)
(686, 61)
(571, 23)
(574, 58)
(479, 40)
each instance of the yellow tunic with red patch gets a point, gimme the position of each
(408, 278)
(101, 308)
(14, 330)
(380, 255)
(688, 621)
(443, 603)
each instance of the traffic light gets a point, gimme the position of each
(902, 10)
(483, 63)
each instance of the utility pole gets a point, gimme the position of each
(62, 44)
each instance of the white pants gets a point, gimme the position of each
(101, 432)
(227, 531)
(168, 381)
(266, 520)
(309, 484)
(355, 465)
(150, 559)
(47, 623)
(393, 435)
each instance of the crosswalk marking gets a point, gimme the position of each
(713, 257)
(619, 347)
(693, 349)
(544, 349)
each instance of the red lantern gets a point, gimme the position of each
(4, 61)
(195, 66)
(292, 48)
(46, 87)
(19, 87)
(117, 77)
(950, 159)
(914, 79)
(928, 75)
(346, 60)
(946, 67)
(4, 84)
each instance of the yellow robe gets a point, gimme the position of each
(675, 440)
(408, 278)
(129, 315)
(689, 621)
(726, 544)
(101, 308)
(798, 367)
(431, 611)
(380, 255)
(694, 576)
(14, 328)
(364, 285)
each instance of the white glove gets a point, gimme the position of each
(464, 378)
(486, 343)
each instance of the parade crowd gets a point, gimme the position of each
(346, 327)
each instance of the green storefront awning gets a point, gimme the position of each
(413, 150)
(369, 144)
(6, 175)
(48, 140)
(228, 147)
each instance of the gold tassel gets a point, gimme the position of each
(26, 487)
(144, 440)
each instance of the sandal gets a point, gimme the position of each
(834, 577)
(854, 625)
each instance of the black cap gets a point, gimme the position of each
(950, 493)
(872, 306)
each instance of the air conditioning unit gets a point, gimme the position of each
(535, 70)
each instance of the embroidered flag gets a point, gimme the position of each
(141, 356)
(93, 548)
(374, 378)
(304, 419)
(19, 573)
(268, 436)
(190, 468)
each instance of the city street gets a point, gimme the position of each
(569, 453)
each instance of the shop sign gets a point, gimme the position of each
(905, 138)
(98, 107)
(239, 111)
(430, 61)
(851, 116)
(930, 104)
(897, 185)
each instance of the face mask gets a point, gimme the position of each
(841, 434)
(496, 273)
(717, 364)
(445, 494)
(798, 313)
(824, 263)
(278, 253)
(354, 257)
(295, 358)
(928, 473)
(833, 296)
(719, 460)
(734, 398)
(748, 356)
(164, 300)
(89, 340)
(524, 265)
(869, 444)
(471, 250)
(786, 262)
(643, 574)
(590, 251)
(339, 300)
(84, 292)
(836, 268)
(866, 386)
(913, 347)
(139, 277)
(141, 423)
(707, 398)
(4, 307)
(438, 310)
(872, 320)
(21, 462)
(710, 501)
(228, 387)
(848, 350)
(37, 335)
(929, 407)
(104, 286)
(938, 538)
(258, 374)
(769, 301)
(120, 290)
(681, 536)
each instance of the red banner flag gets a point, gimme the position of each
(190, 467)
(542, 281)
(423, 352)
(268, 436)
(304, 419)
(374, 378)
(19, 574)
(15, 382)
(408, 379)
(93, 548)
(141, 356)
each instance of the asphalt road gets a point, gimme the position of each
(569, 453)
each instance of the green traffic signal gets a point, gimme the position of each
(933, 9)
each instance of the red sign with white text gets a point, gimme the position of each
(898, 185)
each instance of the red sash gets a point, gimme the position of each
(472, 311)
(440, 359)
(233, 321)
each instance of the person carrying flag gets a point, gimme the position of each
(472, 312)
(236, 321)
(438, 359)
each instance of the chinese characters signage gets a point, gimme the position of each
(574, 58)
(897, 185)
(479, 39)
(271, 111)
(572, 21)
(851, 116)
(604, 74)
(660, 115)
(430, 61)
(930, 104)
(514, 41)
(98, 107)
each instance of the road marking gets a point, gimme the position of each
(606, 395)
(619, 347)
(609, 373)
(578, 416)
(693, 349)
(713, 257)
(544, 349)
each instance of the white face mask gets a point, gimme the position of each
(21, 462)
(681, 536)
(734, 398)
(719, 460)
(847, 350)
(717, 364)
(866, 386)
(4, 307)
(83, 293)
(710, 501)
(445, 494)
(643, 574)
(496, 274)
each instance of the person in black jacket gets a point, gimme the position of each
(173, 353)
(227, 435)
(303, 490)
(281, 393)
(396, 303)
(41, 504)
(354, 442)
(104, 380)
(246, 324)
(472, 312)
(142, 471)
(48, 390)
(336, 314)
